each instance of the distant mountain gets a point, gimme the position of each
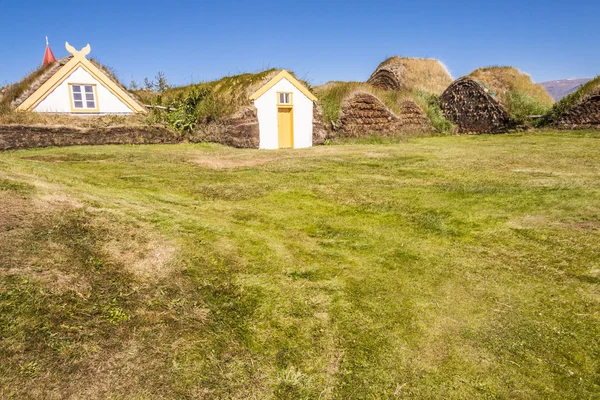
(561, 88)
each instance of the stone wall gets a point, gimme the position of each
(319, 131)
(413, 119)
(240, 130)
(363, 114)
(23, 137)
(584, 114)
(467, 104)
(388, 77)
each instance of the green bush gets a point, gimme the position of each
(431, 105)
(199, 105)
(520, 105)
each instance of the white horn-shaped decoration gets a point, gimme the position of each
(83, 52)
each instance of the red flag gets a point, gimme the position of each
(48, 55)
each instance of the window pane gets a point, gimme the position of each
(89, 96)
(76, 89)
(285, 98)
(79, 104)
(90, 104)
(76, 96)
(89, 89)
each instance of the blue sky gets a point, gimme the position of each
(319, 40)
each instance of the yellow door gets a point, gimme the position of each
(285, 126)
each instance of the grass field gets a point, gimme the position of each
(444, 267)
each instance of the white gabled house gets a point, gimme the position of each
(285, 113)
(77, 86)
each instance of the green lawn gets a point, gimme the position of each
(445, 267)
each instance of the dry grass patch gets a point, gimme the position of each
(71, 121)
(504, 82)
(146, 257)
(411, 74)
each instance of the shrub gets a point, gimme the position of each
(520, 105)
(431, 105)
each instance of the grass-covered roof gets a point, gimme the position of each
(514, 90)
(14, 94)
(235, 88)
(208, 101)
(332, 96)
(408, 73)
(590, 88)
(502, 81)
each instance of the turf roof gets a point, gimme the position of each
(426, 74)
(17, 93)
(503, 80)
(590, 88)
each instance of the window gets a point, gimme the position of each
(285, 98)
(84, 97)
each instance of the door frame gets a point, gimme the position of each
(291, 108)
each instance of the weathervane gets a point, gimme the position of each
(81, 53)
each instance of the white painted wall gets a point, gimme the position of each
(267, 116)
(58, 101)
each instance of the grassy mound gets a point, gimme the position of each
(333, 94)
(409, 74)
(14, 91)
(236, 88)
(563, 106)
(207, 101)
(514, 90)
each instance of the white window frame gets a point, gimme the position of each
(287, 102)
(84, 97)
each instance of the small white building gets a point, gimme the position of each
(285, 113)
(80, 87)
